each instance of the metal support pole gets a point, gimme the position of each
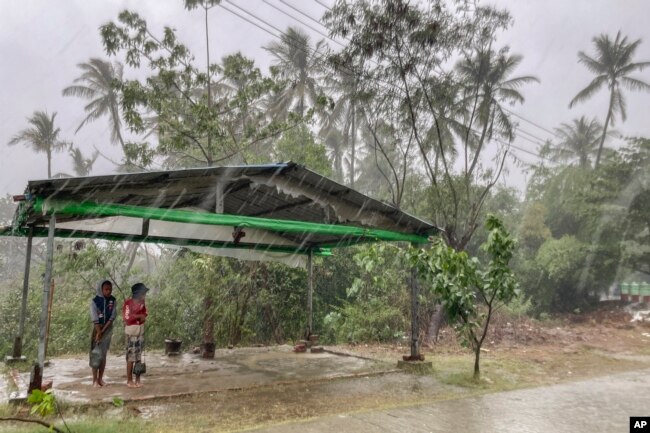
(415, 349)
(310, 292)
(18, 342)
(47, 284)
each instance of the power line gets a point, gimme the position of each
(319, 60)
(300, 21)
(354, 72)
(531, 122)
(533, 139)
(324, 5)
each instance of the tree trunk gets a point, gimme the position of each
(602, 139)
(208, 328)
(435, 323)
(49, 163)
(477, 355)
(353, 155)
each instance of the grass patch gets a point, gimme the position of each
(497, 373)
(89, 426)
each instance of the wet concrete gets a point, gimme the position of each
(188, 374)
(597, 405)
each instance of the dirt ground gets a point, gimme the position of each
(519, 353)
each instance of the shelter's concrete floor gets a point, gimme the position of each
(188, 374)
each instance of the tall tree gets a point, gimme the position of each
(81, 165)
(399, 51)
(297, 63)
(612, 65)
(347, 117)
(487, 84)
(191, 131)
(98, 83)
(578, 141)
(42, 137)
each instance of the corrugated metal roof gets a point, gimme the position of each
(286, 191)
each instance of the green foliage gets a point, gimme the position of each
(598, 222)
(468, 291)
(376, 306)
(43, 403)
(249, 302)
(533, 231)
(423, 117)
(196, 119)
(78, 267)
(298, 145)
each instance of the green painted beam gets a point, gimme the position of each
(91, 209)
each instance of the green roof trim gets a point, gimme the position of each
(92, 209)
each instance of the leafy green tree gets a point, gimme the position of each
(470, 293)
(298, 145)
(612, 65)
(192, 127)
(533, 231)
(398, 50)
(297, 65)
(578, 141)
(42, 136)
(635, 199)
(375, 306)
(560, 283)
(98, 83)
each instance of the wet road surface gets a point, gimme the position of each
(597, 405)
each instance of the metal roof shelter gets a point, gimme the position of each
(282, 212)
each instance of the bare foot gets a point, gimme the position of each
(96, 385)
(138, 385)
(101, 383)
(131, 385)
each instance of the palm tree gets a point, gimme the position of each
(488, 85)
(344, 121)
(296, 62)
(611, 65)
(488, 81)
(97, 84)
(42, 136)
(578, 140)
(82, 166)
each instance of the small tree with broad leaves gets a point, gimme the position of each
(470, 292)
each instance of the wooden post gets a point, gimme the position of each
(49, 315)
(47, 284)
(415, 349)
(18, 342)
(310, 291)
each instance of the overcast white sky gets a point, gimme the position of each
(41, 42)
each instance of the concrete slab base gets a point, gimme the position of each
(18, 397)
(13, 360)
(416, 366)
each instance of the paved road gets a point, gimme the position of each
(598, 405)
